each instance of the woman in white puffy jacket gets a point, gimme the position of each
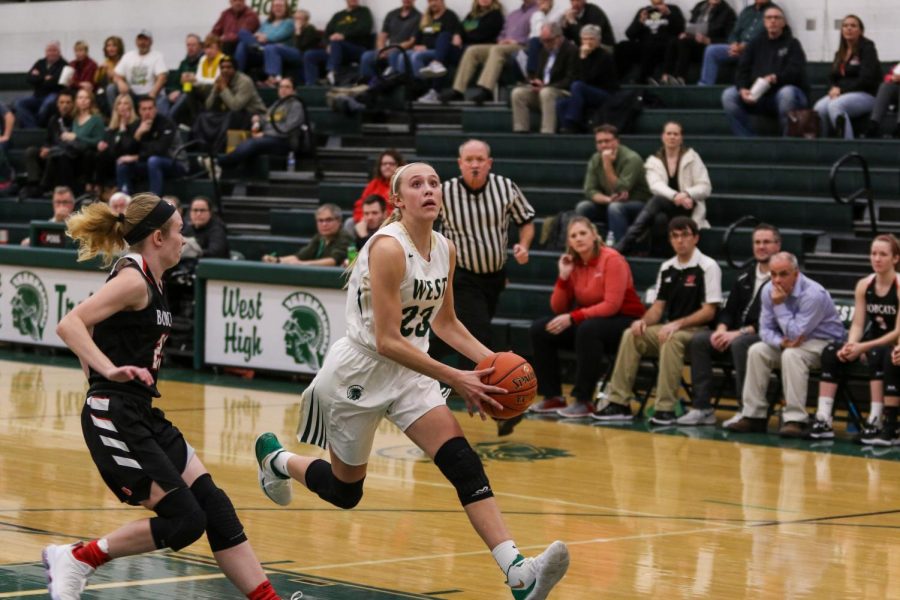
(680, 185)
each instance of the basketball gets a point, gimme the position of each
(516, 376)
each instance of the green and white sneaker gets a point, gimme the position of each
(275, 486)
(533, 578)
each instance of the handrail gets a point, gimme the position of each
(726, 241)
(866, 190)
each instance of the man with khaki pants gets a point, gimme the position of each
(797, 320)
(512, 38)
(689, 289)
(556, 70)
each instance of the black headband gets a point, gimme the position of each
(155, 219)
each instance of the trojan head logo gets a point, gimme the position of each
(354, 392)
(29, 305)
(307, 330)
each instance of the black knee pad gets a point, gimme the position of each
(875, 358)
(180, 521)
(223, 528)
(321, 480)
(462, 467)
(831, 366)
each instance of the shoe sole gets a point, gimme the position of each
(565, 416)
(555, 566)
(260, 477)
(615, 418)
(822, 436)
(663, 423)
(545, 411)
(431, 74)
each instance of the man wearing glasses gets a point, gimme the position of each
(771, 77)
(328, 248)
(287, 115)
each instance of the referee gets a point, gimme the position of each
(478, 207)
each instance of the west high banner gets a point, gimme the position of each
(272, 327)
(34, 299)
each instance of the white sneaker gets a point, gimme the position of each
(66, 575)
(729, 422)
(431, 97)
(697, 417)
(329, 77)
(533, 578)
(275, 486)
(433, 70)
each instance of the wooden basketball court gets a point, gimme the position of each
(671, 514)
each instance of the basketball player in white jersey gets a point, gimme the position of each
(401, 286)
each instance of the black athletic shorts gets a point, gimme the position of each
(133, 444)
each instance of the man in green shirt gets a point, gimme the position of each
(328, 248)
(615, 184)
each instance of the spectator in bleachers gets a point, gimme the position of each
(37, 109)
(205, 233)
(854, 78)
(773, 63)
(328, 248)
(85, 69)
(749, 25)
(615, 184)
(386, 165)
(234, 19)
(118, 202)
(348, 34)
(7, 124)
(680, 185)
(143, 72)
(156, 153)
(888, 94)
(551, 82)
(489, 48)
(63, 206)
(710, 23)
(105, 77)
(207, 68)
(288, 116)
(277, 29)
(688, 292)
(593, 302)
(117, 141)
(539, 18)
(180, 95)
(736, 329)
(374, 210)
(583, 13)
(36, 156)
(305, 37)
(595, 80)
(873, 333)
(652, 30)
(399, 28)
(798, 320)
(434, 49)
(67, 161)
(231, 104)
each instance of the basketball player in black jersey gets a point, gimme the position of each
(872, 333)
(118, 335)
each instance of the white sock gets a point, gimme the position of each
(505, 554)
(875, 411)
(279, 463)
(103, 544)
(823, 412)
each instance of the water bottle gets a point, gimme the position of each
(291, 162)
(352, 253)
(610, 239)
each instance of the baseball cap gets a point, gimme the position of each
(145, 33)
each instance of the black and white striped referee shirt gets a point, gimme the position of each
(478, 221)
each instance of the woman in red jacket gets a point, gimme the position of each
(388, 162)
(594, 301)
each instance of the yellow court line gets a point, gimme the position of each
(120, 584)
